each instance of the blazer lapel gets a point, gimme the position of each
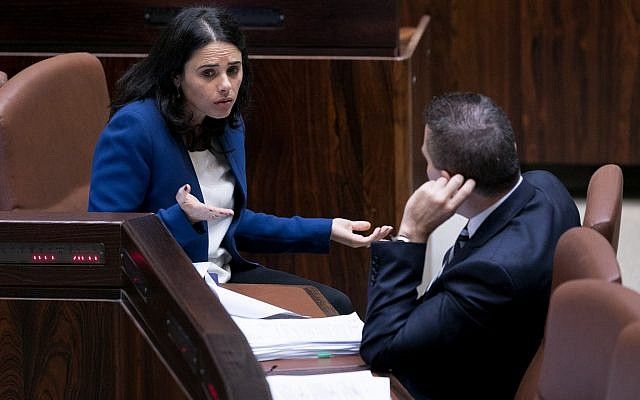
(497, 220)
(233, 150)
(188, 164)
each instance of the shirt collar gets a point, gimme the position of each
(474, 222)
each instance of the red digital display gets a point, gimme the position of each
(77, 258)
(52, 253)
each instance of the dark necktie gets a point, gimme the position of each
(462, 239)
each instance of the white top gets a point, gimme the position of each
(217, 184)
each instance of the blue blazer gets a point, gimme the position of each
(138, 166)
(474, 332)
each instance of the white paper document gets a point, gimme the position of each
(302, 338)
(239, 305)
(359, 385)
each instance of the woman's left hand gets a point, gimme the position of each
(342, 231)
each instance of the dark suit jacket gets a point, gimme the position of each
(474, 332)
(138, 166)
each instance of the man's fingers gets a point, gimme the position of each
(461, 194)
(455, 182)
(384, 232)
(455, 185)
(441, 182)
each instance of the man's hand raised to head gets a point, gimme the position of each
(432, 204)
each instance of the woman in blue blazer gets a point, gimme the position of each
(175, 146)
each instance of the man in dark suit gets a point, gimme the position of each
(474, 331)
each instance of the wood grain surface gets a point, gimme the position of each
(566, 71)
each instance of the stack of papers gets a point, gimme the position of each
(360, 385)
(272, 339)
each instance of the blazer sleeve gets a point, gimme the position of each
(264, 233)
(121, 173)
(399, 327)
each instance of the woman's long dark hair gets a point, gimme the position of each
(153, 77)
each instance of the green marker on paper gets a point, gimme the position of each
(324, 354)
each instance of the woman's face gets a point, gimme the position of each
(211, 80)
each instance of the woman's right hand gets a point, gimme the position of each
(197, 211)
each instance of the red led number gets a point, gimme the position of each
(43, 258)
(85, 259)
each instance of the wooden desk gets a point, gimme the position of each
(308, 300)
(304, 300)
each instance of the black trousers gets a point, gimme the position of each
(261, 274)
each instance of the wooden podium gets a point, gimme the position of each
(107, 306)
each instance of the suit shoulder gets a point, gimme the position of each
(137, 114)
(541, 177)
(548, 183)
(138, 123)
(549, 187)
(146, 110)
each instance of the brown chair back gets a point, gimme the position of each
(625, 369)
(51, 114)
(603, 209)
(581, 253)
(585, 318)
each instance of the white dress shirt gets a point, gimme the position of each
(217, 184)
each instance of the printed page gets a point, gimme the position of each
(359, 385)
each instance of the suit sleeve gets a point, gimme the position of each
(121, 171)
(399, 327)
(263, 233)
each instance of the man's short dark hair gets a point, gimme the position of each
(470, 135)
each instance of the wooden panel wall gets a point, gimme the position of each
(319, 145)
(336, 137)
(566, 71)
(328, 27)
